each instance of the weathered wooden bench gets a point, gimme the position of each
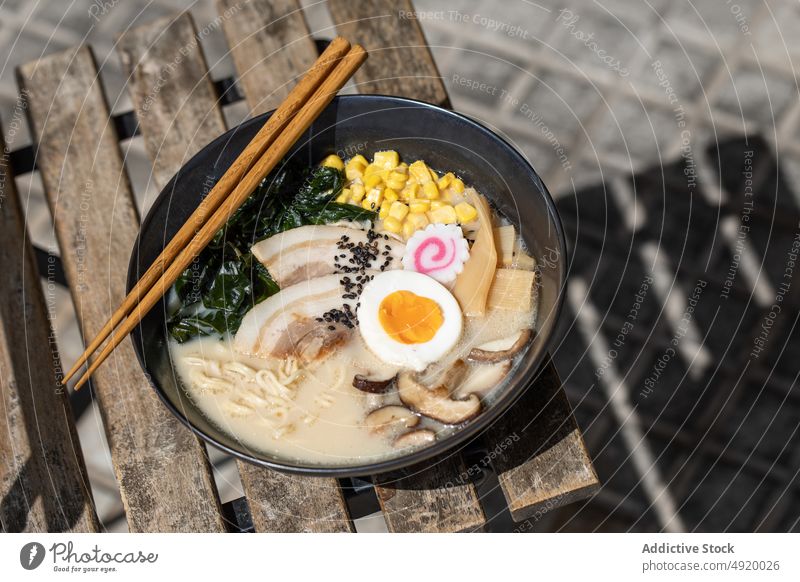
(536, 450)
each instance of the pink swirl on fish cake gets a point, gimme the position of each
(439, 251)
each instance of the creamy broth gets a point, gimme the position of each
(310, 413)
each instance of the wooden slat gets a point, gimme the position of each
(400, 62)
(538, 451)
(430, 498)
(277, 502)
(163, 473)
(173, 94)
(427, 500)
(43, 482)
(270, 44)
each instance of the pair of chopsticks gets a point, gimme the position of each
(273, 141)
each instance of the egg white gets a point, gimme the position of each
(413, 356)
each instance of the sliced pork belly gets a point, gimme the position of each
(306, 320)
(314, 251)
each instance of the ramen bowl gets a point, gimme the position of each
(352, 125)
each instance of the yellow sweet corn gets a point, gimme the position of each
(355, 167)
(402, 168)
(387, 160)
(359, 159)
(444, 215)
(418, 219)
(420, 171)
(372, 180)
(408, 229)
(419, 206)
(465, 212)
(445, 180)
(410, 192)
(344, 196)
(392, 224)
(396, 180)
(457, 185)
(372, 169)
(384, 212)
(430, 190)
(373, 198)
(437, 204)
(398, 210)
(333, 161)
(357, 192)
(390, 194)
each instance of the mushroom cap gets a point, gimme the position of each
(388, 417)
(502, 349)
(415, 438)
(435, 402)
(361, 382)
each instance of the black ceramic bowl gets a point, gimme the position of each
(364, 124)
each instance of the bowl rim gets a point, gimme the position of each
(442, 449)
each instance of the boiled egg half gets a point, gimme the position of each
(408, 319)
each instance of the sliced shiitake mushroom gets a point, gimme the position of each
(502, 349)
(435, 402)
(388, 417)
(372, 386)
(415, 438)
(483, 378)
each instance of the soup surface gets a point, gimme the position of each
(354, 340)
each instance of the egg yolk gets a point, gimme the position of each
(409, 318)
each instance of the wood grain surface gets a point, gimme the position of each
(538, 451)
(271, 47)
(400, 61)
(173, 95)
(162, 469)
(432, 497)
(43, 482)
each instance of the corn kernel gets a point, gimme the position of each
(408, 229)
(398, 210)
(402, 168)
(344, 196)
(333, 161)
(445, 180)
(390, 194)
(357, 192)
(419, 206)
(372, 169)
(391, 224)
(374, 197)
(372, 181)
(359, 159)
(418, 219)
(410, 192)
(355, 167)
(430, 190)
(396, 180)
(466, 212)
(420, 171)
(437, 204)
(387, 160)
(384, 212)
(457, 185)
(445, 215)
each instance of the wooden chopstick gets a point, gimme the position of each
(297, 97)
(261, 167)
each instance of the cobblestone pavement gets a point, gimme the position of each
(620, 106)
